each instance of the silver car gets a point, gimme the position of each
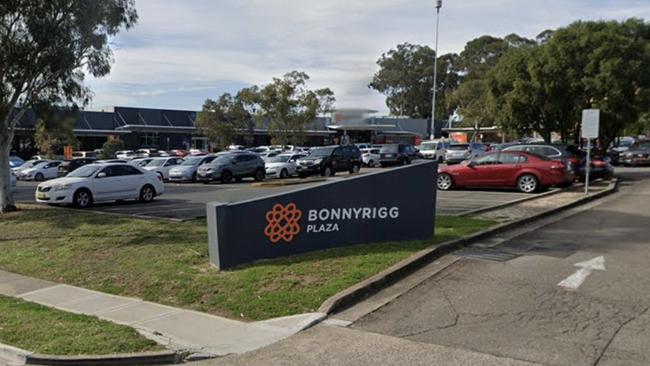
(186, 172)
(235, 165)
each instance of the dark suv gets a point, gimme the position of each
(70, 165)
(329, 160)
(397, 154)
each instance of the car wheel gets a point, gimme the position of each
(371, 163)
(328, 172)
(39, 177)
(260, 175)
(445, 182)
(147, 193)
(82, 198)
(355, 169)
(226, 177)
(403, 162)
(527, 183)
(284, 174)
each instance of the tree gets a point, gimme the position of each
(110, 148)
(216, 121)
(54, 130)
(405, 76)
(288, 106)
(47, 49)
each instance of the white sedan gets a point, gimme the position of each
(41, 171)
(101, 182)
(370, 157)
(282, 166)
(162, 166)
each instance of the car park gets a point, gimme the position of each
(370, 156)
(187, 171)
(125, 154)
(637, 154)
(282, 166)
(101, 182)
(434, 149)
(397, 154)
(328, 160)
(526, 172)
(68, 166)
(162, 166)
(229, 166)
(41, 171)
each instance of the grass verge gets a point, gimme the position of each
(167, 262)
(40, 329)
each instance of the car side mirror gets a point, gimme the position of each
(101, 175)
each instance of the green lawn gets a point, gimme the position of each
(167, 262)
(41, 329)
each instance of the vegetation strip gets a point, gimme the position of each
(168, 262)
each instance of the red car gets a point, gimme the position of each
(506, 169)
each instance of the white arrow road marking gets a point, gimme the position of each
(586, 268)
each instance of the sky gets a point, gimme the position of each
(184, 51)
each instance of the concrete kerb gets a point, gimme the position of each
(363, 289)
(511, 203)
(14, 356)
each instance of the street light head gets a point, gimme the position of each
(438, 4)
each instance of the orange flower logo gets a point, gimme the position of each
(283, 223)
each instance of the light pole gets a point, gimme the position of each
(435, 71)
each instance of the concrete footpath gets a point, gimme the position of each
(177, 329)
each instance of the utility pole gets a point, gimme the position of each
(435, 71)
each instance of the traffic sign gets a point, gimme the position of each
(590, 123)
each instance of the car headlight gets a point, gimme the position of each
(64, 187)
(318, 161)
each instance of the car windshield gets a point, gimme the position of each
(157, 163)
(322, 151)
(223, 159)
(192, 161)
(85, 171)
(279, 159)
(428, 145)
(389, 148)
(458, 147)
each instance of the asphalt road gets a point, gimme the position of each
(539, 306)
(187, 201)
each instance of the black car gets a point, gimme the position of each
(637, 154)
(397, 154)
(329, 160)
(70, 165)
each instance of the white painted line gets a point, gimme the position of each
(586, 268)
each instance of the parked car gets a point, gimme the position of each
(282, 166)
(101, 182)
(15, 162)
(84, 154)
(125, 154)
(40, 172)
(162, 166)
(146, 153)
(186, 172)
(68, 166)
(457, 153)
(26, 165)
(569, 155)
(637, 154)
(229, 166)
(526, 172)
(329, 160)
(397, 154)
(140, 162)
(370, 156)
(434, 149)
(363, 145)
(179, 152)
(269, 154)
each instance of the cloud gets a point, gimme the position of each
(182, 52)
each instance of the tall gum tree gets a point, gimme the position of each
(48, 47)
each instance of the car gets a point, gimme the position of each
(15, 162)
(637, 154)
(434, 149)
(68, 166)
(181, 153)
(141, 162)
(571, 156)
(328, 160)
(283, 165)
(187, 171)
(363, 145)
(599, 169)
(115, 161)
(26, 165)
(162, 166)
(146, 153)
(269, 154)
(197, 152)
(163, 154)
(526, 172)
(457, 153)
(94, 183)
(84, 154)
(42, 171)
(228, 166)
(125, 154)
(370, 156)
(397, 154)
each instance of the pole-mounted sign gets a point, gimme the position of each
(590, 130)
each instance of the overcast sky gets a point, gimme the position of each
(184, 51)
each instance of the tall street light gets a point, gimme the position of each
(435, 71)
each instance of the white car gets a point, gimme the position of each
(41, 171)
(434, 149)
(162, 166)
(125, 154)
(26, 165)
(282, 166)
(101, 182)
(370, 157)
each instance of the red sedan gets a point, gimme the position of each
(527, 172)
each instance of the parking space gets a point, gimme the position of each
(187, 201)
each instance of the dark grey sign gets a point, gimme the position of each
(396, 204)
